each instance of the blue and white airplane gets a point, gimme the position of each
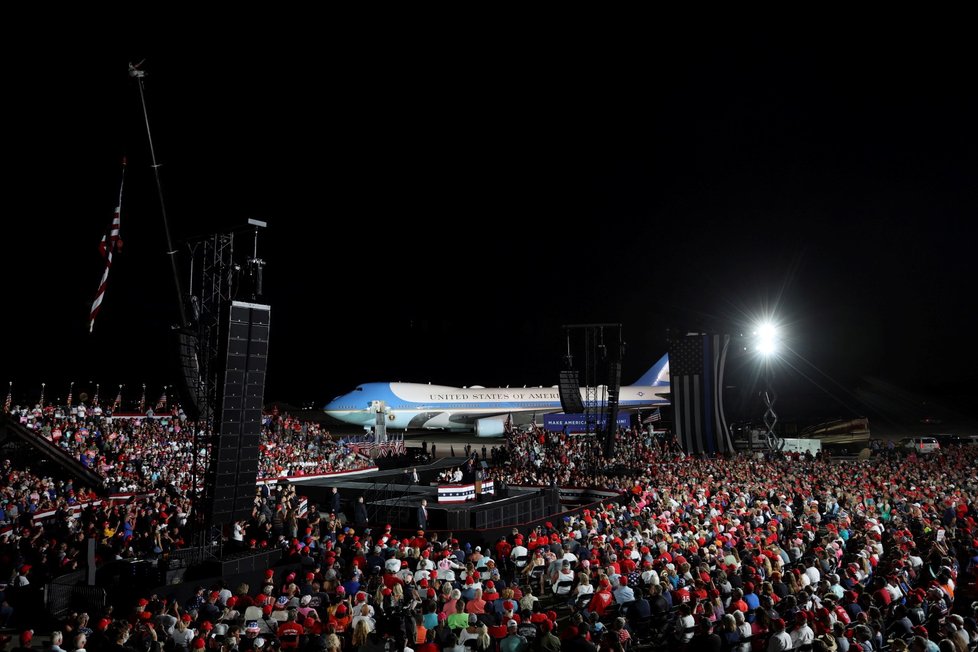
(482, 409)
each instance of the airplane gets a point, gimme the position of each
(483, 410)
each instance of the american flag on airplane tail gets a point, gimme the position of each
(110, 243)
(696, 380)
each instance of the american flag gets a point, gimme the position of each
(142, 400)
(71, 392)
(161, 404)
(95, 399)
(655, 416)
(393, 446)
(110, 243)
(696, 377)
(118, 400)
(10, 397)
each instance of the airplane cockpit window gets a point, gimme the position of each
(358, 389)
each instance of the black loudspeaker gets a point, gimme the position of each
(570, 392)
(234, 464)
(190, 371)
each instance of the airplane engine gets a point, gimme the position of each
(490, 427)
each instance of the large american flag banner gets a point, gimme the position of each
(110, 243)
(696, 374)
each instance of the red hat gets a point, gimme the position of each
(199, 643)
(442, 616)
(269, 573)
(386, 591)
(142, 602)
(186, 618)
(341, 610)
(267, 609)
(207, 625)
(490, 585)
(290, 578)
(26, 636)
(215, 595)
(310, 576)
(231, 602)
(103, 624)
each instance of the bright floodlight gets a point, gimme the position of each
(766, 339)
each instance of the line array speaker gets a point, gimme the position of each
(570, 392)
(234, 463)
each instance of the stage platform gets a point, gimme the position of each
(391, 500)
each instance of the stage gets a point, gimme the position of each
(392, 500)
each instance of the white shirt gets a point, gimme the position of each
(519, 551)
(802, 636)
(780, 642)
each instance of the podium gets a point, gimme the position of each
(459, 493)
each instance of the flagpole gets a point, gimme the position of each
(138, 75)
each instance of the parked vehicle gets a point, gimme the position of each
(924, 445)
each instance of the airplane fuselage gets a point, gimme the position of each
(483, 409)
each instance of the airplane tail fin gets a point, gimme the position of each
(657, 375)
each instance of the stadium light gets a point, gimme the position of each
(766, 339)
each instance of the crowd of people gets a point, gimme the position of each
(737, 553)
(46, 518)
(139, 454)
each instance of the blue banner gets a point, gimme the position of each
(574, 423)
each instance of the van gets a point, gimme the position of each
(925, 445)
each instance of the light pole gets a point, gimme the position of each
(767, 342)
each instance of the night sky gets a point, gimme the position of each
(435, 214)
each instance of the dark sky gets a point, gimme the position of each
(437, 213)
